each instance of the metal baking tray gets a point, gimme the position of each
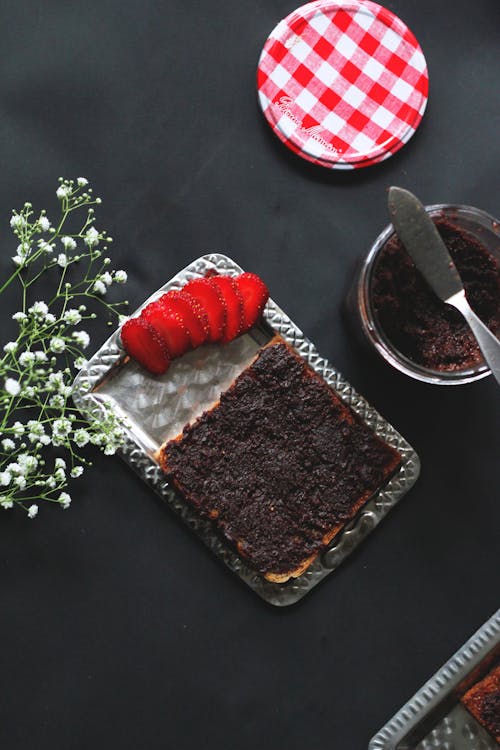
(156, 409)
(434, 719)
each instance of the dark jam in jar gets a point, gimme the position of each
(417, 323)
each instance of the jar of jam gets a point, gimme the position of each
(407, 324)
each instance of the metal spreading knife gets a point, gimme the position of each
(419, 235)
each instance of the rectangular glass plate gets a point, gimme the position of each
(434, 719)
(157, 408)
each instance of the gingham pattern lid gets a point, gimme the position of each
(343, 83)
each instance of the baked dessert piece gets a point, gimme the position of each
(483, 702)
(280, 463)
(419, 324)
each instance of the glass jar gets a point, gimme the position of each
(482, 227)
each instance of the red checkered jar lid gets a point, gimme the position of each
(343, 83)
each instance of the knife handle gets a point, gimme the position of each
(488, 342)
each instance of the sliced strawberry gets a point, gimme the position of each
(255, 295)
(210, 298)
(144, 344)
(191, 312)
(170, 326)
(234, 306)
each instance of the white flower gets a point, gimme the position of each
(39, 309)
(57, 401)
(14, 468)
(99, 287)
(44, 223)
(27, 463)
(36, 430)
(60, 475)
(10, 347)
(26, 358)
(81, 437)
(65, 500)
(62, 260)
(19, 316)
(20, 482)
(55, 381)
(60, 430)
(121, 277)
(110, 449)
(59, 463)
(80, 362)
(68, 243)
(82, 338)
(17, 221)
(23, 250)
(82, 181)
(46, 247)
(91, 237)
(32, 511)
(72, 317)
(13, 387)
(5, 478)
(50, 482)
(57, 344)
(18, 429)
(63, 191)
(6, 502)
(44, 439)
(8, 445)
(49, 319)
(76, 471)
(18, 260)
(40, 356)
(106, 278)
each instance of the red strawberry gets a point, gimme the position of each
(191, 312)
(170, 326)
(234, 306)
(143, 343)
(210, 298)
(255, 295)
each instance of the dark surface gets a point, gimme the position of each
(281, 463)
(118, 628)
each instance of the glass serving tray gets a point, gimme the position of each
(155, 409)
(434, 719)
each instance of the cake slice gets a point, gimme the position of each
(483, 702)
(280, 463)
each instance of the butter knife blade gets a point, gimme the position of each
(419, 235)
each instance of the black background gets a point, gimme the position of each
(118, 628)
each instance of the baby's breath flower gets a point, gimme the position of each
(6, 502)
(62, 260)
(20, 317)
(26, 358)
(5, 478)
(8, 445)
(17, 221)
(20, 483)
(46, 247)
(82, 338)
(59, 463)
(40, 356)
(18, 429)
(106, 278)
(99, 287)
(13, 387)
(57, 344)
(120, 277)
(50, 319)
(91, 237)
(82, 181)
(44, 223)
(72, 317)
(68, 243)
(76, 472)
(10, 347)
(80, 362)
(63, 191)
(81, 437)
(18, 260)
(65, 500)
(32, 511)
(39, 309)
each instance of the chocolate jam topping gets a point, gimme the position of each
(418, 324)
(279, 462)
(491, 713)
